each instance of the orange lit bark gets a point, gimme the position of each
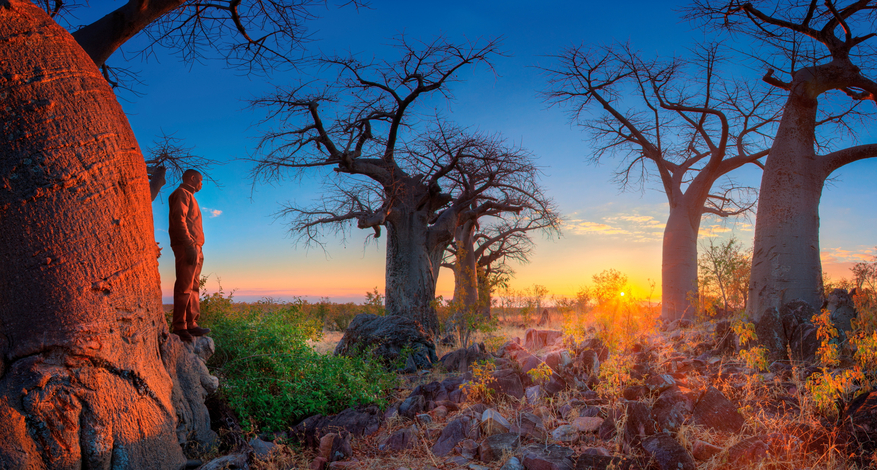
(82, 384)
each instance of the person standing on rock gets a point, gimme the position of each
(187, 237)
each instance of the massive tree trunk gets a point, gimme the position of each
(679, 259)
(411, 273)
(82, 383)
(785, 258)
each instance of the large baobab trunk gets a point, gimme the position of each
(82, 383)
(411, 273)
(785, 258)
(679, 261)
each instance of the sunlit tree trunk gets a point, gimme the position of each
(465, 270)
(82, 384)
(679, 260)
(785, 258)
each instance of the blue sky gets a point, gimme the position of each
(250, 251)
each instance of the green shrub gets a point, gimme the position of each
(270, 375)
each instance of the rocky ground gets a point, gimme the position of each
(677, 399)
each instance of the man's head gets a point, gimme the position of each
(194, 179)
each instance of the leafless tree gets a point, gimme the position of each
(482, 252)
(394, 168)
(168, 154)
(678, 121)
(826, 51)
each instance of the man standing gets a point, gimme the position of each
(187, 237)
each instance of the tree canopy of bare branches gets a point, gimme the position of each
(414, 175)
(821, 55)
(681, 122)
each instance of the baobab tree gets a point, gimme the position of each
(88, 377)
(483, 249)
(825, 49)
(392, 169)
(678, 121)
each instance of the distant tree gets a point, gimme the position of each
(483, 249)
(724, 268)
(678, 121)
(608, 285)
(827, 50)
(391, 169)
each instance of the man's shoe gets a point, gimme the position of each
(198, 331)
(184, 335)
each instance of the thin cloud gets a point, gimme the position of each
(840, 255)
(214, 213)
(629, 227)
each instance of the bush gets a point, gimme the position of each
(272, 378)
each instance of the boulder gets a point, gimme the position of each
(507, 381)
(261, 449)
(588, 362)
(513, 463)
(335, 446)
(463, 358)
(558, 360)
(451, 435)
(593, 459)
(671, 409)
(492, 422)
(715, 411)
(551, 457)
(565, 434)
(386, 338)
(859, 424)
(227, 462)
(359, 422)
(702, 450)
(531, 426)
(724, 337)
(535, 340)
(534, 394)
(587, 424)
(638, 423)
(494, 446)
(405, 438)
(412, 406)
(192, 382)
(748, 452)
(468, 448)
(667, 453)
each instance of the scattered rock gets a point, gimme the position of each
(359, 422)
(748, 452)
(702, 450)
(513, 463)
(451, 435)
(534, 394)
(405, 438)
(566, 434)
(228, 462)
(558, 360)
(671, 409)
(551, 457)
(412, 406)
(468, 448)
(594, 459)
(859, 426)
(587, 424)
(335, 446)
(531, 426)
(493, 447)
(507, 381)
(668, 453)
(492, 422)
(461, 359)
(535, 340)
(261, 449)
(715, 411)
(386, 337)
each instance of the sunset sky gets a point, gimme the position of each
(251, 252)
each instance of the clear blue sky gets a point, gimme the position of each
(206, 105)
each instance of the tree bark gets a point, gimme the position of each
(411, 273)
(82, 384)
(679, 259)
(465, 273)
(785, 258)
